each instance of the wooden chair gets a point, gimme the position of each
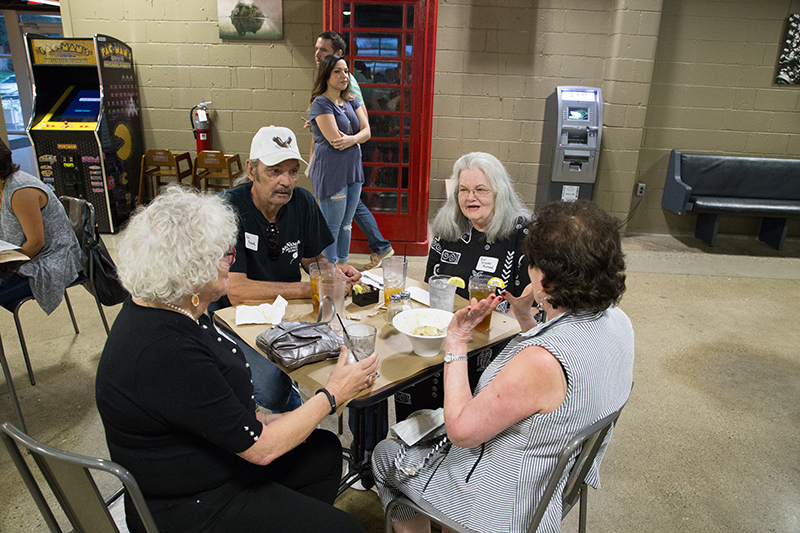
(210, 166)
(159, 164)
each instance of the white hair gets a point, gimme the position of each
(450, 223)
(172, 247)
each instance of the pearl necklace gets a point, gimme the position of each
(183, 311)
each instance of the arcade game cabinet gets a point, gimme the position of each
(85, 129)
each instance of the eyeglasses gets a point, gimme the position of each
(230, 256)
(480, 192)
(273, 236)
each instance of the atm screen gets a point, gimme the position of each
(578, 113)
(84, 107)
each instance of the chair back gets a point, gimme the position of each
(213, 165)
(158, 163)
(587, 444)
(69, 477)
(81, 216)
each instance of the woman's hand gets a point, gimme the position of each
(464, 321)
(522, 307)
(347, 381)
(344, 142)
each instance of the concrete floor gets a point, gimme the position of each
(709, 440)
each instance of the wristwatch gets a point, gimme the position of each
(449, 358)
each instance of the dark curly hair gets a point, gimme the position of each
(7, 166)
(577, 247)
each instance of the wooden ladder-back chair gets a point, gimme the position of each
(157, 167)
(211, 166)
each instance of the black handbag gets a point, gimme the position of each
(293, 344)
(103, 273)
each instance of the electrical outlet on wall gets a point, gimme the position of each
(640, 187)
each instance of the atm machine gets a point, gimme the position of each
(573, 127)
(85, 127)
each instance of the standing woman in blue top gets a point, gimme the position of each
(32, 218)
(339, 124)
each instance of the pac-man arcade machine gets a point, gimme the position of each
(85, 127)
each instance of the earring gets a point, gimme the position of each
(195, 300)
(540, 299)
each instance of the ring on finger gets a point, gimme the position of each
(469, 314)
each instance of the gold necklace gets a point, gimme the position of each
(183, 311)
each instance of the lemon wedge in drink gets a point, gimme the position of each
(458, 282)
(496, 282)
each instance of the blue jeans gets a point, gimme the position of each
(364, 219)
(338, 210)
(271, 387)
(13, 288)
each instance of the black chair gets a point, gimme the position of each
(588, 442)
(69, 477)
(81, 215)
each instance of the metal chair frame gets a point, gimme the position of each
(10, 384)
(69, 477)
(586, 444)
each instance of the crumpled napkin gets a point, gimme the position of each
(261, 314)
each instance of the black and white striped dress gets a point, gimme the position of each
(495, 487)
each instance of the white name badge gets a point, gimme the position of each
(487, 264)
(251, 241)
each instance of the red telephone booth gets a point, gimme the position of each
(391, 51)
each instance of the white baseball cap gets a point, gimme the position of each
(273, 145)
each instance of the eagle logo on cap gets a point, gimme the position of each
(283, 144)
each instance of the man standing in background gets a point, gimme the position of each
(329, 43)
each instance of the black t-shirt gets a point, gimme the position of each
(471, 254)
(176, 402)
(302, 233)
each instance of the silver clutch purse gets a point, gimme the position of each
(293, 344)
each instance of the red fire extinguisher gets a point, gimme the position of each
(201, 125)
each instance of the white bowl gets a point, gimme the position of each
(410, 319)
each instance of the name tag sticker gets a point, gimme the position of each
(487, 264)
(251, 241)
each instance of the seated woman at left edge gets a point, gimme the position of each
(32, 218)
(176, 397)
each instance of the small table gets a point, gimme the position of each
(399, 366)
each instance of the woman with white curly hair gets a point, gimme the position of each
(176, 397)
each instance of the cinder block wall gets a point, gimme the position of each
(713, 91)
(697, 76)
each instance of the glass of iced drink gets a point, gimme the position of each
(394, 276)
(480, 289)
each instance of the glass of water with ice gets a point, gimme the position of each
(442, 294)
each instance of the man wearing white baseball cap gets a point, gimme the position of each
(281, 229)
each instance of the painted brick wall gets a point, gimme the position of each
(697, 76)
(713, 91)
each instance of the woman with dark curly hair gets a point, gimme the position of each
(551, 382)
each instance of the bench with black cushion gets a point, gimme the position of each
(714, 185)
